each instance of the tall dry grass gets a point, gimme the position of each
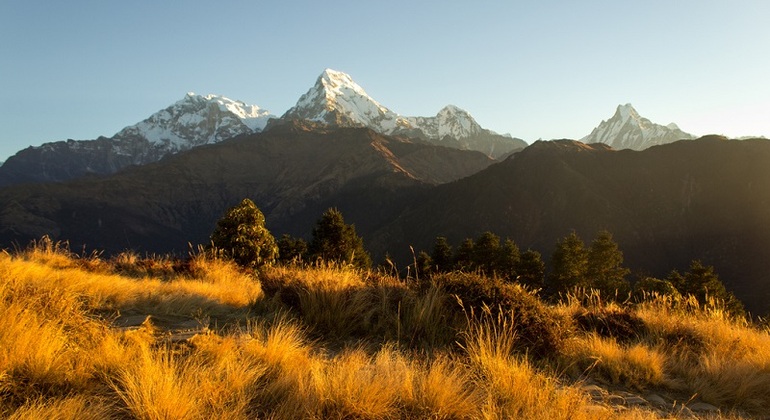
(723, 360)
(332, 342)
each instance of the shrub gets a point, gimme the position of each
(539, 330)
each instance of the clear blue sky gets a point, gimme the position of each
(540, 69)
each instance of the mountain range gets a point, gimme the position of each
(705, 199)
(197, 120)
(161, 184)
(335, 99)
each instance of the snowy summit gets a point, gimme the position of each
(196, 120)
(629, 130)
(336, 99)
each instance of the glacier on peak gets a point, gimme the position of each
(336, 99)
(629, 130)
(197, 119)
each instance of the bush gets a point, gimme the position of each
(540, 331)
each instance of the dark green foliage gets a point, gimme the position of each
(465, 256)
(442, 255)
(486, 253)
(621, 324)
(333, 240)
(605, 270)
(241, 236)
(703, 283)
(291, 249)
(569, 264)
(509, 258)
(531, 269)
(539, 329)
(423, 265)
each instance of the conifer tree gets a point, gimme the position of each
(509, 259)
(703, 283)
(569, 263)
(531, 269)
(291, 249)
(333, 240)
(486, 253)
(464, 258)
(241, 236)
(605, 269)
(442, 254)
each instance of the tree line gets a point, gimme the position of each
(241, 235)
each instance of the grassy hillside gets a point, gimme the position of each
(151, 338)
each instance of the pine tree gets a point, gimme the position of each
(442, 255)
(703, 283)
(333, 240)
(569, 264)
(241, 236)
(290, 249)
(464, 258)
(486, 253)
(605, 269)
(509, 260)
(531, 269)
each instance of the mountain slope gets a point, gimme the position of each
(193, 121)
(628, 130)
(293, 172)
(706, 199)
(337, 100)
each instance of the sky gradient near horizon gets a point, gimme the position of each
(547, 69)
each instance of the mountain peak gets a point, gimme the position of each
(336, 99)
(198, 119)
(629, 130)
(332, 76)
(627, 111)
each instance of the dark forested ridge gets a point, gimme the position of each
(707, 199)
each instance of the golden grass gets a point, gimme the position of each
(70, 408)
(340, 343)
(722, 360)
(636, 366)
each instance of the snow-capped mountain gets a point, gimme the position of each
(197, 120)
(628, 130)
(450, 121)
(193, 121)
(336, 99)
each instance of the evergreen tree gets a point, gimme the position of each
(423, 265)
(290, 249)
(605, 269)
(569, 263)
(442, 255)
(486, 253)
(531, 269)
(464, 258)
(703, 283)
(241, 236)
(333, 240)
(509, 260)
